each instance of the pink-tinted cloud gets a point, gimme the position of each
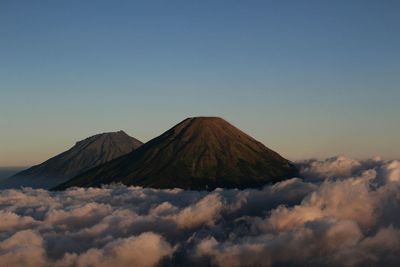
(339, 212)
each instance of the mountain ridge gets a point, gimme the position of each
(197, 153)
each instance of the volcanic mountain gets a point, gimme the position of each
(86, 154)
(198, 153)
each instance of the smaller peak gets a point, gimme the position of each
(99, 136)
(117, 134)
(120, 132)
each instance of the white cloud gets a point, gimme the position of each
(24, 248)
(335, 167)
(205, 211)
(145, 250)
(341, 212)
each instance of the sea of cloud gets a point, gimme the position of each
(339, 212)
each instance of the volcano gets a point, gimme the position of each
(84, 155)
(198, 153)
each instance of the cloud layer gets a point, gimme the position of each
(339, 212)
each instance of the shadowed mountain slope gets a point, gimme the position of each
(86, 154)
(198, 153)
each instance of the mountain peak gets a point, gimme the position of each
(206, 118)
(205, 121)
(122, 132)
(85, 154)
(118, 136)
(200, 124)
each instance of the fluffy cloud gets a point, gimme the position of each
(145, 250)
(339, 212)
(205, 211)
(24, 248)
(330, 168)
(13, 222)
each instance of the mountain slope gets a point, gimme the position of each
(198, 153)
(85, 155)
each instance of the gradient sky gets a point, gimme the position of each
(307, 78)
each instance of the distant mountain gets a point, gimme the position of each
(6, 172)
(85, 155)
(198, 153)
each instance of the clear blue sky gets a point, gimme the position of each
(307, 78)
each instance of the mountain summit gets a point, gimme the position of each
(86, 154)
(198, 153)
